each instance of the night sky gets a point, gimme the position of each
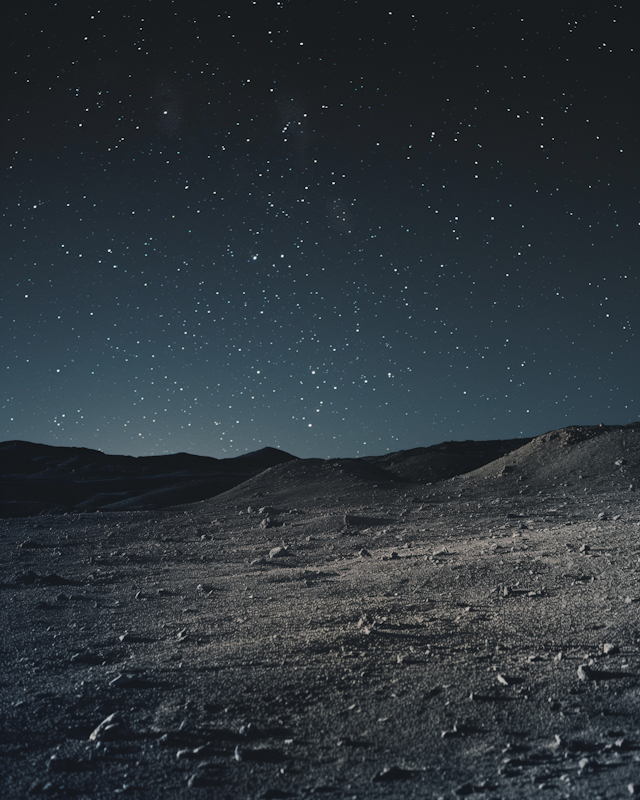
(338, 228)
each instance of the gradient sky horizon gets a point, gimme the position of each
(340, 229)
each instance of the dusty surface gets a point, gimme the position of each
(475, 637)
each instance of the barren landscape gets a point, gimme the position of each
(348, 628)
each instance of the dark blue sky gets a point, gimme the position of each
(338, 228)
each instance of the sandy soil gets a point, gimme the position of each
(320, 631)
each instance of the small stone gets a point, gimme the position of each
(58, 763)
(278, 552)
(238, 753)
(394, 773)
(197, 780)
(394, 555)
(110, 728)
(248, 729)
(266, 522)
(610, 649)
(503, 679)
(585, 673)
(584, 548)
(631, 788)
(123, 680)
(364, 553)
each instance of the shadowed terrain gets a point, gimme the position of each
(39, 478)
(331, 628)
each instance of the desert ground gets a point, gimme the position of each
(343, 628)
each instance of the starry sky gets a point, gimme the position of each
(339, 228)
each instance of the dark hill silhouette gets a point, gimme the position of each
(40, 478)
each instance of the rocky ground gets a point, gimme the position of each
(330, 629)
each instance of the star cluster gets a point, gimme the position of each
(340, 230)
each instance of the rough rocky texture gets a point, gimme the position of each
(475, 637)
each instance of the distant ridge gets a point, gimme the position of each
(40, 478)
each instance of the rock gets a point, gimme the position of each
(123, 680)
(109, 729)
(610, 649)
(364, 553)
(58, 763)
(266, 522)
(249, 729)
(585, 673)
(394, 773)
(197, 780)
(504, 680)
(278, 552)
